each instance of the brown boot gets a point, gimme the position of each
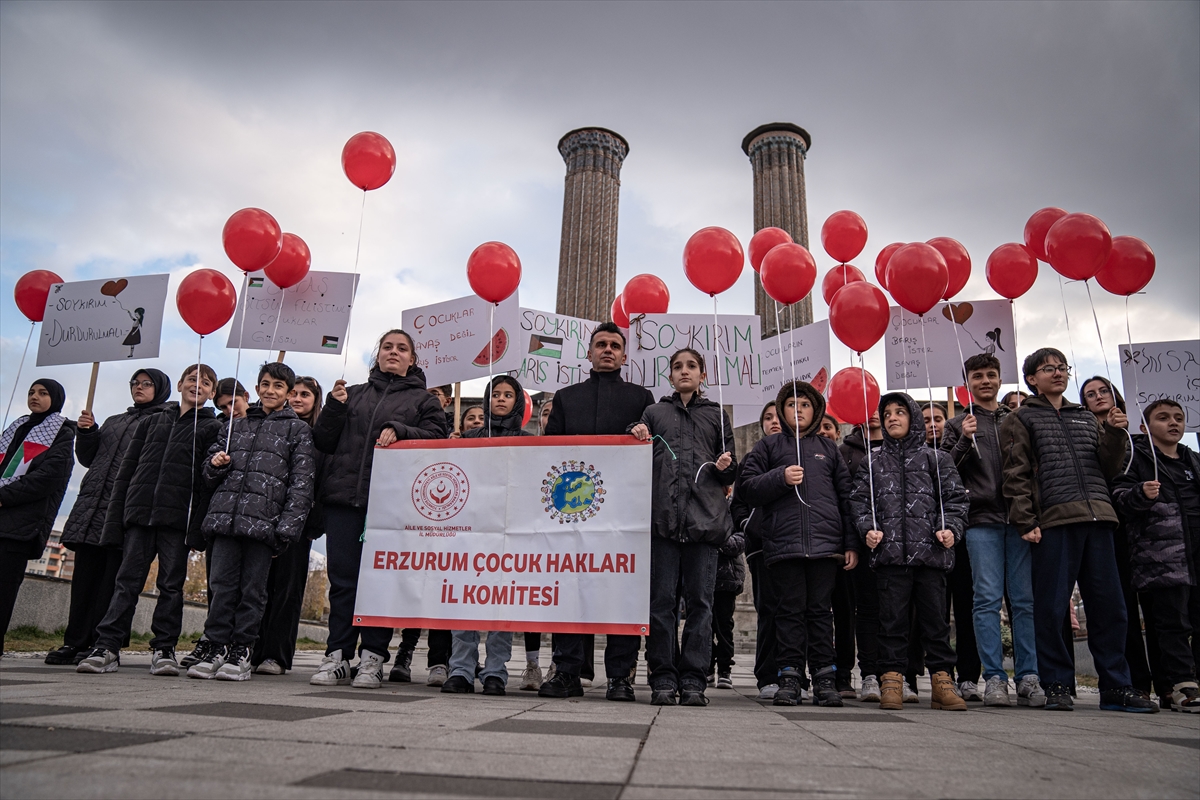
(891, 692)
(944, 696)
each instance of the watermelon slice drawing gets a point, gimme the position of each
(494, 350)
(819, 380)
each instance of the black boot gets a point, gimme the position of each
(63, 655)
(789, 688)
(402, 669)
(561, 685)
(825, 691)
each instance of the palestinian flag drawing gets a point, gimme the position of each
(330, 342)
(545, 346)
(37, 441)
(256, 283)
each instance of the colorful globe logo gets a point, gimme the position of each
(572, 492)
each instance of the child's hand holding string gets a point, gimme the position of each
(945, 537)
(724, 461)
(220, 459)
(874, 538)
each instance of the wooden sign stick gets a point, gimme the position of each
(279, 358)
(457, 407)
(92, 385)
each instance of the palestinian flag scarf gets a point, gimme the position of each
(37, 441)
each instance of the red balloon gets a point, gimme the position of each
(846, 396)
(859, 315)
(252, 239)
(292, 263)
(788, 273)
(713, 259)
(617, 312)
(368, 160)
(838, 277)
(206, 300)
(963, 395)
(32, 291)
(1129, 267)
(958, 264)
(494, 271)
(1036, 228)
(881, 262)
(645, 294)
(525, 416)
(917, 277)
(762, 243)
(1011, 270)
(1078, 245)
(844, 235)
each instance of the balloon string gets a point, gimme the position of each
(1067, 319)
(1108, 371)
(1137, 393)
(1013, 307)
(237, 368)
(970, 398)
(904, 356)
(278, 314)
(362, 212)
(862, 369)
(187, 524)
(720, 363)
(929, 384)
(795, 409)
(17, 380)
(488, 400)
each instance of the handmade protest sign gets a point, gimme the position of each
(548, 533)
(1156, 370)
(452, 338)
(553, 350)
(985, 326)
(738, 366)
(103, 320)
(310, 317)
(808, 351)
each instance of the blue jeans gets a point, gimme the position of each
(999, 556)
(464, 654)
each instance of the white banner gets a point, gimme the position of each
(808, 350)
(985, 326)
(1155, 370)
(452, 338)
(739, 366)
(312, 316)
(516, 534)
(553, 350)
(104, 320)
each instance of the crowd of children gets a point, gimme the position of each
(861, 547)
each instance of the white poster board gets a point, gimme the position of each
(1154, 370)
(452, 338)
(738, 367)
(547, 533)
(105, 320)
(984, 326)
(313, 315)
(553, 350)
(807, 350)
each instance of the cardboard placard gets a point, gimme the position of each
(1154, 370)
(553, 350)
(312, 316)
(738, 366)
(452, 338)
(808, 351)
(103, 320)
(984, 326)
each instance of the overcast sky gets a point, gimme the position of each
(130, 132)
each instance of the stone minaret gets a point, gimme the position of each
(587, 258)
(777, 154)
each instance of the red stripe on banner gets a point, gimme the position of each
(503, 625)
(518, 441)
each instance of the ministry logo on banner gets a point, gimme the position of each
(440, 491)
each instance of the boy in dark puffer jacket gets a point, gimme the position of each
(911, 509)
(263, 479)
(799, 480)
(731, 579)
(1160, 499)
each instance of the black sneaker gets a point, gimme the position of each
(201, 652)
(825, 691)
(789, 688)
(620, 690)
(692, 696)
(493, 686)
(561, 685)
(402, 669)
(457, 684)
(1058, 698)
(845, 687)
(1127, 699)
(663, 697)
(63, 656)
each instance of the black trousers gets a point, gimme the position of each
(620, 654)
(239, 590)
(843, 621)
(285, 596)
(900, 590)
(1142, 652)
(723, 606)
(961, 600)
(12, 575)
(92, 585)
(440, 643)
(804, 616)
(766, 599)
(1176, 613)
(866, 618)
(141, 546)
(343, 527)
(533, 642)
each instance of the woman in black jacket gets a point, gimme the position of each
(392, 405)
(35, 467)
(100, 448)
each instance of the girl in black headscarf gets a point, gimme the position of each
(35, 466)
(100, 448)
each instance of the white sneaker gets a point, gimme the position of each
(868, 692)
(370, 671)
(804, 695)
(550, 670)
(162, 662)
(334, 671)
(969, 690)
(910, 696)
(236, 666)
(270, 667)
(995, 692)
(768, 692)
(531, 678)
(1029, 692)
(207, 667)
(438, 674)
(585, 683)
(99, 661)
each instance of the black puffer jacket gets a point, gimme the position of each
(29, 504)
(510, 423)
(347, 432)
(1160, 543)
(854, 451)
(909, 478)
(688, 500)
(980, 464)
(265, 491)
(160, 472)
(746, 519)
(731, 566)
(811, 520)
(603, 405)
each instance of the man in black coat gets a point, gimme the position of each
(603, 405)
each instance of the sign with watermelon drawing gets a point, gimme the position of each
(310, 317)
(454, 342)
(553, 350)
(806, 351)
(738, 366)
(103, 320)
(985, 326)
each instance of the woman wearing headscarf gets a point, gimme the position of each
(35, 467)
(99, 448)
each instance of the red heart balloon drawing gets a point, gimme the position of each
(114, 288)
(958, 312)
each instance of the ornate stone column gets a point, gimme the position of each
(587, 258)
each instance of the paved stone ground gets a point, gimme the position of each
(128, 734)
